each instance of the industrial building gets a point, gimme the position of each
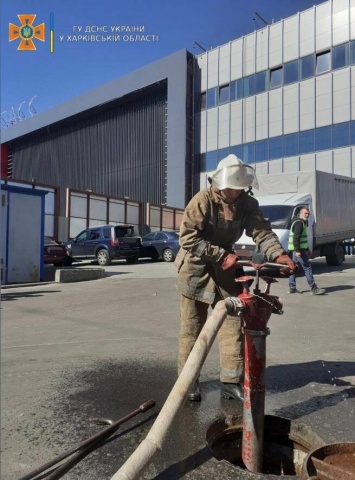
(130, 138)
(281, 98)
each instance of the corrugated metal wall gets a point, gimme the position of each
(118, 149)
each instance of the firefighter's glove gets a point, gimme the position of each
(290, 265)
(229, 261)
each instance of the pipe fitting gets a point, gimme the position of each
(234, 305)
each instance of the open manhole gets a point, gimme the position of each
(286, 445)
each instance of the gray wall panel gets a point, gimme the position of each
(118, 152)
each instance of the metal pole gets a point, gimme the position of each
(100, 436)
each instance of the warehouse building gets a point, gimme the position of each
(131, 138)
(281, 98)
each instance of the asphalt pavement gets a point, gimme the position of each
(75, 351)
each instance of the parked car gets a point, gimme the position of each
(55, 254)
(106, 243)
(161, 244)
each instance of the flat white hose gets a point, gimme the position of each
(153, 443)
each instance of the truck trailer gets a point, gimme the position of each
(330, 199)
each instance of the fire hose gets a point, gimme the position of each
(249, 306)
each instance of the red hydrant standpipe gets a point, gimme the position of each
(257, 310)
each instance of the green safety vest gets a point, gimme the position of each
(303, 239)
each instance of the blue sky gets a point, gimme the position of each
(78, 66)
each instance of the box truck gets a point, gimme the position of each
(330, 199)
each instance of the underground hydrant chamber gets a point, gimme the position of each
(286, 445)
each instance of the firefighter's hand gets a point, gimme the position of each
(229, 261)
(290, 265)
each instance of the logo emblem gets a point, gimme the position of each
(26, 32)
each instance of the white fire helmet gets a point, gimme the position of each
(232, 173)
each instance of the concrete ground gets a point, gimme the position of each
(101, 348)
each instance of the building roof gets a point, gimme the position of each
(109, 92)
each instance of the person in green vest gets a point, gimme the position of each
(298, 246)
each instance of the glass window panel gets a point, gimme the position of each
(261, 150)
(211, 160)
(352, 132)
(276, 77)
(341, 134)
(323, 62)
(307, 141)
(352, 52)
(248, 84)
(222, 153)
(324, 138)
(260, 82)
(236, 90)
(291, 72)
(212, 97)
(203, 101)
(340, 56)
(248, 152)
(223, 94)
(237, 150)
(275, 147)
(290, 144)
(307, 67)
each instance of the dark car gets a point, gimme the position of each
(106, 243)
(161, 244)
(55, 254)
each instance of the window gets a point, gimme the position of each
(161, 236)
(212, 98)
(275, 147)
(340, 137)
(340, 56)
(121, 232)
(307, 67)
(323, 138)
(307, 141)
(248, 153)
(261, 150)
(276, 77)
(323, 62)
(237, 150)
(260, 82)
(106, 231)
(211, 160)
(83, 236)
(248, 86)
(236, 89)
(223, 94)
(352, 52)
(277, 215)
(222, 153)
(291, 72)
(149, 236)
(352, 132)
(94, 235)
(202, 101)
(290, 144)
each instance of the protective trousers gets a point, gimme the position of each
(193, 315)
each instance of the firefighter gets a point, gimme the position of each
(206, 264)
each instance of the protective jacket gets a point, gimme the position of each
(208, 230)
(298, 239)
